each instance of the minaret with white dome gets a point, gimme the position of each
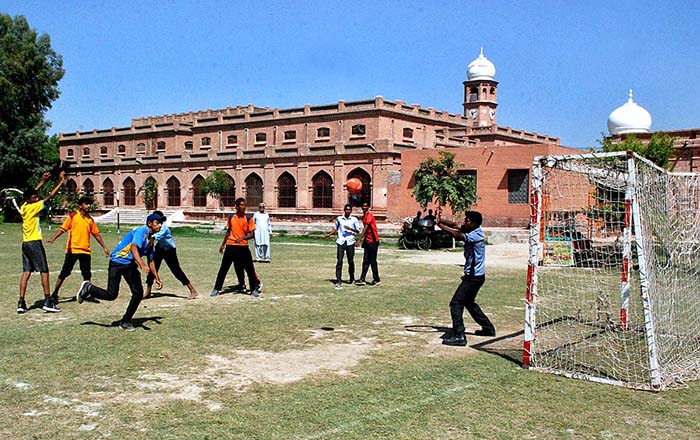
(629, 118)
(480, 92)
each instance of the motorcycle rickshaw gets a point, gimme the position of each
(417, 234)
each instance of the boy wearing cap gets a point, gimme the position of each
(125, 261)
(33, 252)
(165, 250)
(80, 226)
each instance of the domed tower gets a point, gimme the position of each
(629, 118)
(480, 92)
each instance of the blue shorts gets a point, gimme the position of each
(34, 257)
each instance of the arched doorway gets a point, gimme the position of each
(253, 190)
(173, 191)
(108, 190)
(150, 193)
(129, 192)
(199, 197)
(322, 190)
(366, 195)
(286, 191)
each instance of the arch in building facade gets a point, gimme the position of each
(286, 191)
(150, 181)
(108, 192)
(88, 187)
(173, 185)
(228, 198)
(199, 197)
(253, 189)
(322, 190)
(71, 187)
(129, 192)
(366, 195)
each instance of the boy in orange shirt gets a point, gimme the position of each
(239, 229)
(80, 226)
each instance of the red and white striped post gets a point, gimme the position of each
(533, 257)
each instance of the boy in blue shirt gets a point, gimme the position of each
(346, 226)
(125, 261)
(472, 280)
(164, 249)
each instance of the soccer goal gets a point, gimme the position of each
(613, 286)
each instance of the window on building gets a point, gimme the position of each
(253, 190)
(260, 138)
(290, 135)
(286, 191)
(173, 191)
(323, 132)
(322, 190)
(408, 133)
(160, 146)
(103, 150)
(108, 190)
(518, 186)
(199, 197)
(86, 152)
(206, 142)
(129, 192)
(121, 149)
(70, 154)
(141, 148)
(228, 198)
(492, 91)
(231, 140)
(359, 130)
(473, 94)
(88, 187)
(189, 146)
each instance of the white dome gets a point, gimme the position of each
(629, 118)
(481, 68)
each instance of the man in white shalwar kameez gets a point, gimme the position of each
(263, 229)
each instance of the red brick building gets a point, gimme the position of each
(297, 160)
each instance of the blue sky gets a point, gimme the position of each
(562, 66)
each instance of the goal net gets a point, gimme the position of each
(614, 270)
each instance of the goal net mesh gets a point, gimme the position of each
(615, 285)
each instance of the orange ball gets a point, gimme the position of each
(354, 185)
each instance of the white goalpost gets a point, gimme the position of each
(613, 285)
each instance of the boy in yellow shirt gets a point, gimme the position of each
(80, 226)
(33, 253)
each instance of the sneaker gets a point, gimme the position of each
(82, 292)
(360, 282)
(256, 292)
(50, 306)
(485, 332)
(127, 326)
(21, 306)
(337, 285)
(214, 292)
(456, 341)
(373, 283)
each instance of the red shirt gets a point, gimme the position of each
(370, 224)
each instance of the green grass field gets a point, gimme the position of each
(305, 361)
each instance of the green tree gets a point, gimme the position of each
(217, 183)
(659, 149)
(29, 74)
(439, 182)
(150, 192)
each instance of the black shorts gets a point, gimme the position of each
(34, 257)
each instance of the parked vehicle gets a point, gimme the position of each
(421, 234)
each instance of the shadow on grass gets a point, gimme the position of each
(164, 295)
(508, 347)
(137, 322)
